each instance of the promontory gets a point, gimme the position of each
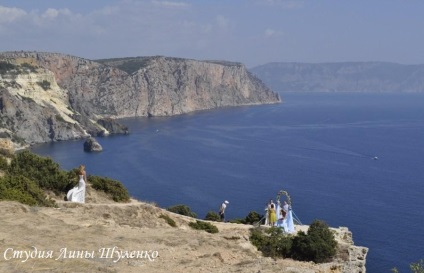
(50, 96)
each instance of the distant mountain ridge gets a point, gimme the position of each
(341, 77)
(51, 96)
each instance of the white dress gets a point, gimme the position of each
(77, 194)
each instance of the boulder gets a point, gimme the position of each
(91, 145)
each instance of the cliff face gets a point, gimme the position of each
(342, 77)
(170, 86)
(61, 97)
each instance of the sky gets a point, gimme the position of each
(253, 32)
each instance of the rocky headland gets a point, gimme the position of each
(49, 97)
(100, 236)
(342, 77)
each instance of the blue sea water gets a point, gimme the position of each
(318, 147)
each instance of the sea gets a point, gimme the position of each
(350, 159)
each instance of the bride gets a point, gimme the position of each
(77, 194)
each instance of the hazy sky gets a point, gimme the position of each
(253, 32)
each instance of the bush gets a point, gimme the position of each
(113, 188)
(208, 227)
(3, 163)
(44, 84)
(238, 221)
(24, 190)
(318, 245)
(6, 67)
(272, 243)
(169, 220)
(253, 217)
(417, 267)
(29, 67)
(183, 210)
(213, 216)
(44, 171)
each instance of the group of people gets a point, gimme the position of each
(279, 216)
(275, 214)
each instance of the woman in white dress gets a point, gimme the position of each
(77, 194)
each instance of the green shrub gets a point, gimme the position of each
(42, 173)
(272, 242)
(169, 220)
(29, 67)
(24, 190)
(238, 221)
(213, 216)
(208, 227)
(43, 170)
(318, 245)
(44, 84)
(253, 217)
(112, 187)
(417, 267)
(183, 210)
(3, 163)
(6, 67)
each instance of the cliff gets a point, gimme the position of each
(342, 77)
(77, 237)
(49, 96)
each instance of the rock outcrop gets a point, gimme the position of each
(6, 147)
(49, 97)
(351, 258)
(91, 145)
(342, 77)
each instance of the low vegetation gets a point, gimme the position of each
(317, 245)
(29, 177)
(213, 216)
(252, 218)
(169, 220)
(14, 69)
(183, 210)
(200, 225)
(113, 188)
(417, 267)
(3, 163)
(44, 84)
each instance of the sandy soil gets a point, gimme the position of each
(91, 237)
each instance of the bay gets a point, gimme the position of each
(320, 147)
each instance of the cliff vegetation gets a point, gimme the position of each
(29, 177)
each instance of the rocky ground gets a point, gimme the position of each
(102, 236)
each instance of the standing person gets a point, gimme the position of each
(267, 211)
(222, 210)
(81, 172)
(272, 215)
(77, 194)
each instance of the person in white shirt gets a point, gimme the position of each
(222, 210)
